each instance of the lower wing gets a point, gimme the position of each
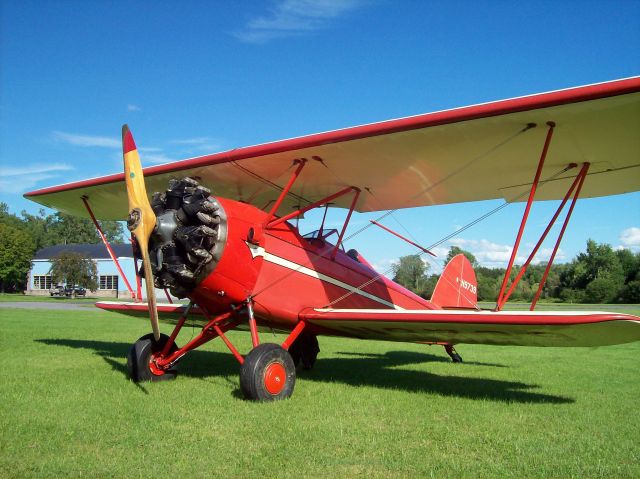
(516, 328)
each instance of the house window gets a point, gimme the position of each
(42, 281)
(109, 282)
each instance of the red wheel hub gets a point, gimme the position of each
(275, 377)
(154, 368)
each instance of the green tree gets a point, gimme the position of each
(410, 273)
(67, 229)
(16, 251)
(7, 218)
(630, 264)
(39, 228)
(455, 251)
(631, 292)
(601, 290)
(74, 268)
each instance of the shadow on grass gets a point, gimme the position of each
(407, 357)
(376, 370)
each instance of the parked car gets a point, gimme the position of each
(61, 290)
(58, 290)
(78, 290)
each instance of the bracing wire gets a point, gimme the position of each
(390, 212)
(451, 235)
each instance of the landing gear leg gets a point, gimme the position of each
(304, 350)
(455, 357)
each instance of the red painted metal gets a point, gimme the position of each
(207, 334)
(525, 266)
(457, 286)
(294, 335)
(228, 343)
(175, 331)
(166, 293)
(285, 190)
(108, 246)
(582, 175)
(485, 110)
(526, 214)
(346, 221)
(402, 237)
(275, 377)
(309, 207)
(255, 340)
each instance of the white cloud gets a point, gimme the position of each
(630, 237)
(294, 17)
(496, 255)
(132, 107)
(34, 169)
(200, 144)
(86, 140)
(383, 265)
(19, 180)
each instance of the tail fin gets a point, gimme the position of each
(457, 286)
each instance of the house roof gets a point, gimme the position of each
(94, 251)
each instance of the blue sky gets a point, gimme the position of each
(195, 77)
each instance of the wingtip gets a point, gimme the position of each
(127, 140)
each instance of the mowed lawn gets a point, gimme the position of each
(368, 409)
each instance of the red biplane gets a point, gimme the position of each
(220, 233)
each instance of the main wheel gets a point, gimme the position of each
(140, 359)
(304, 350)
(267, 374)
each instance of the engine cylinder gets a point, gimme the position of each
(189, 237)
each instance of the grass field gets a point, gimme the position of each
(369, 409)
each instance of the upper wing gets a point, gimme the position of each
(465, 154)
(516, 328)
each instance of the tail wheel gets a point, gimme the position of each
(267, 374)
(304, 350)
(140, 359)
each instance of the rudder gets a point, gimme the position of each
(457, 286)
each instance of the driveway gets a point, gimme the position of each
(67, 306)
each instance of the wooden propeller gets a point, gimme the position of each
(142, 219)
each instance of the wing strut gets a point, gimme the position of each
(583, 172)
(525, 216)
(108, 246)
(576, 186)
(578, 181)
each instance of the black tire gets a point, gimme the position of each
(267, 374)
(456, 358)
(140, 355)
(304, 350)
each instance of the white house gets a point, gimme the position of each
(110, 283)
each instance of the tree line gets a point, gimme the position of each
(598, 275)
(21, 236)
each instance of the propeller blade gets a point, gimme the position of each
(142, 219)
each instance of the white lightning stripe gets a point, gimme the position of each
(260, 251)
